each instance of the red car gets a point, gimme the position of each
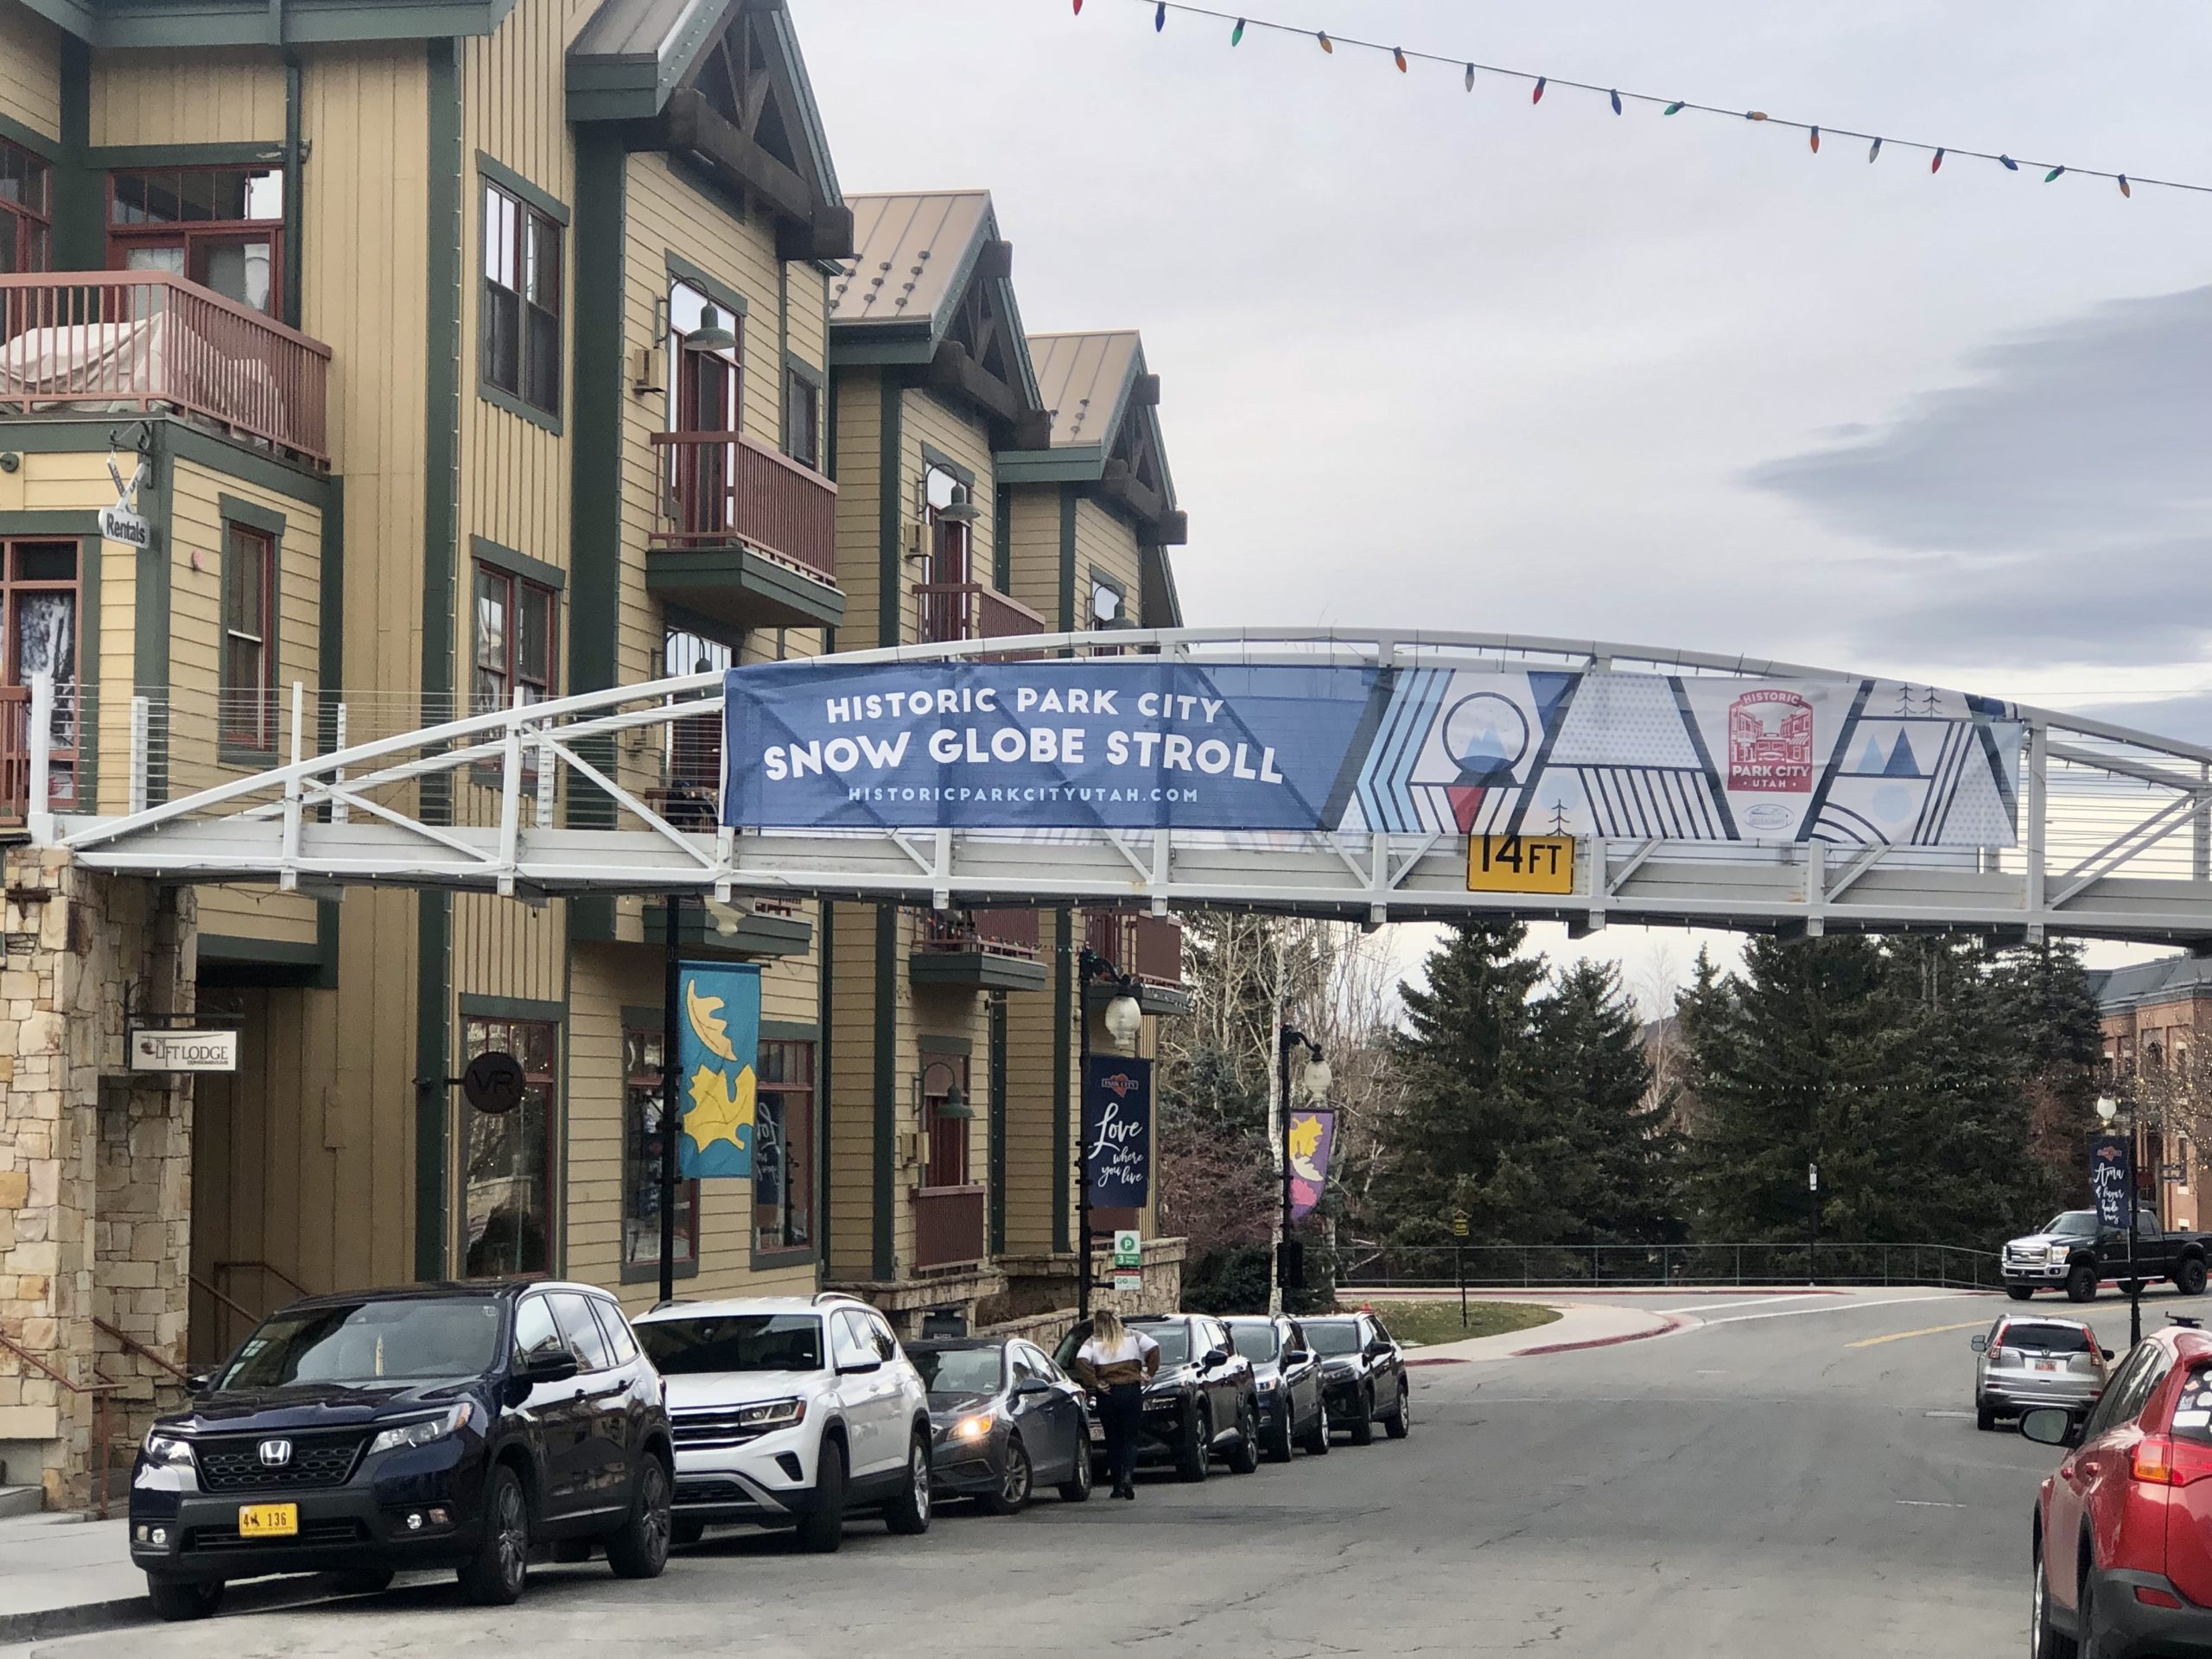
(2123, 1529)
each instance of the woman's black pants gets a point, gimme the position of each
(1120, 1409)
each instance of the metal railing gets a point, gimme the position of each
(1842, 1262)
(971, 610)
(724, 486)
(97, 342)
(1145, 947)
(102, 1446)
(948, 1226)
(993, 932)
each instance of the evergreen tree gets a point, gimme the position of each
(1612, 1159)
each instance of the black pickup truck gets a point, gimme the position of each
(2074, 1255)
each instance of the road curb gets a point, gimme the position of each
(83, 1618)
(1673, 1322)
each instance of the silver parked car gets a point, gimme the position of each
(2021, 1362)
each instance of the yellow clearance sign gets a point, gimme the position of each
(1520, 864)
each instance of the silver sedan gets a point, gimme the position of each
(2021, 1362)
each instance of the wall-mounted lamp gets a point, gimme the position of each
(710, 335)
(954, 1104)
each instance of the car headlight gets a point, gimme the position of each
(423, 1431)
(168, 1452)
(2055, 1253)
(773, 1414)
(1267, 1385)
(972, 1428)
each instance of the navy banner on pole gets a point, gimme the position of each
(2112, 1182)
(1117, 1132)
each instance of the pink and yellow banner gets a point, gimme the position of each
(1312, 1138)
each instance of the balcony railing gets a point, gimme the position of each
(971, 610)
(724, 488)
(1145, 948)
(993, 932)
(100, 343)
(948, 1226)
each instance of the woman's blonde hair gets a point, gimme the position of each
(1106, 1327)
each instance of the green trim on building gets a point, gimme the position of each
(890, 521)
(933, 456)
(596, 361)
(46, 146)
(515, 185)
(680, 269)
(514, 406)
(1062, 1057)
(789, 1031)
(884, 1265)
(930, 1042)
(1002, 538)
(994, 1081)
(47, 522)
(330, 666)
(249, 22)
(103, 158)
(511, 1008)
(440, 532)
(79, 206)
(151, 601)
(238, 948)
(1068, 501)
(824, 962)
(196, 444)
(251, 514)
(484, 550)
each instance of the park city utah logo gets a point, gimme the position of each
(1770, 742)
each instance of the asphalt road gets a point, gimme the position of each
(1796, 1476)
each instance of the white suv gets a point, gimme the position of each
(790, 1413)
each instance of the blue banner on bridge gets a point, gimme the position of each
(1142, 743)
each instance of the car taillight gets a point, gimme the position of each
(2161, 1460)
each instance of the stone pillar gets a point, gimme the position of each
(95, 1164)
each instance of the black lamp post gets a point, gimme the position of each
(2107, 1109)
(1316, 1085)
(672, 1116)
(1124, 1017)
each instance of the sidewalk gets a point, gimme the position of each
(1580, 1324)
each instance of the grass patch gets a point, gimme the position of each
(1425, 1323)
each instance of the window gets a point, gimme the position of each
(26, 218)
(643, 1103)
(222, 227)
(617, 1330)
(581, 1330)
(507, 1207)
(536, 1335)
(514, 640)
(945, 610)
(879, 1331)
(248, 697)
(851, 1343)
(522, 302)
(948, 1136)
(39, 624)
(783, 1148)
(704, 381)
(695, 745)
(802, 418)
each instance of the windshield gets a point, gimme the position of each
(2074, 1223)
(1333, 1336)
(958, 1370)
(1255, 1339)
(2048, 1338)
(734, 1342)
(367, 1343)
(1173, 1337)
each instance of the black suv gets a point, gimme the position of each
(1363, 1376)
(1204, 1404)
(437, 1425)
(1289, 1374)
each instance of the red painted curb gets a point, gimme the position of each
(1674, 1322)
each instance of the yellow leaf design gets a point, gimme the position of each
(706, 1023)
(719, 1110)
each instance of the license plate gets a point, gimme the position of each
(1099, 1434)
(2046, 1364)
(269, 1519)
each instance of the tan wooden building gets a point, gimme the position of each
(441, 355)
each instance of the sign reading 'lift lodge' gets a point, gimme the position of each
(184, 1051)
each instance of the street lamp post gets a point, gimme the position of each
(2107, 1109)
(1317, 1080)
(1124, 1019)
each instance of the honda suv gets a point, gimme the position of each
(437, 1425)
(790, 1413)
(2122, 1530)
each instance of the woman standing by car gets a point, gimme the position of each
(1114, 1364)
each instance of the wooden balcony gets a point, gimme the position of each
(971, 610)
(948, 1223)
(1147, 949)
(748, 535)
(112, 343)
(977, 950)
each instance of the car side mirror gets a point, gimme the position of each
(1214, 1356)
(543, 1369)
(1979, 1345)
(1377, 1349)
(859, 1367)
(1030, 1386)
(2050, 1426)
(2106, 1352)
(1295, 1356)
(199, 1382)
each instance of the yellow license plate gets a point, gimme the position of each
(1521, 864)
(269, 1519)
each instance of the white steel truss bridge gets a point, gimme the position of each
(592, 794)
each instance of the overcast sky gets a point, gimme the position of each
(1448, 359)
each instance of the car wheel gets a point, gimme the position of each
(1194, 1458)
(493, 1576)
(1985, 1415)
(1363, 1423)
(909, 1513)
(182, 1599)
(2082, 1283)
(2043, 1640)
(1400, 1422)
(2085, 1619)
(822, 1527)
(1317, 1438)
(361, 1580)
(686, 1532)
(1076, 1489)
(1244, 1456)
(639, 1549)
(2019, 1292)
(1277, 1443)
(2188, 1277)
(1016, 1481)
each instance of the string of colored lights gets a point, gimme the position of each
(1403, 58)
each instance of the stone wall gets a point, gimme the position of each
(95, 1164)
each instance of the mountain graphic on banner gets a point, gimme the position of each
(1900, 764)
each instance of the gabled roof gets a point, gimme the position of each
(725, 81)
(931, 281)
(1105, 408)
(1086, 381)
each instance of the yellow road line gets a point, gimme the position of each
(1929, 1331)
